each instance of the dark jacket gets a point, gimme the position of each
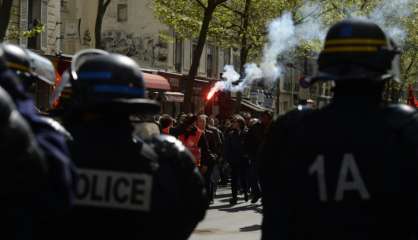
(234, 148)
(215, 142)
(253, 140)
(133, 189)
(333, 173)
(56, 193)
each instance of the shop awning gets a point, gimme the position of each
(174, 97)
(154, 81)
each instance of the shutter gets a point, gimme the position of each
(24, 7)
(44, 20)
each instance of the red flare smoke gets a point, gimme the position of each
(211, 93)
(412, 100)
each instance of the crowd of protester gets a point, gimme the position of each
(225, 150)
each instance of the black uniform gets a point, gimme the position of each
(53, 195)
(24, 172)
(350, 170)
(127, 188)
(133, 190)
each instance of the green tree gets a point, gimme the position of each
(242, 24)
(189, 19)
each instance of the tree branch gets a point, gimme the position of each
(219, 2)
(231, 9)
(201, 4)
(106, 3)
(410, 65)
(318, 9)
(365, 2)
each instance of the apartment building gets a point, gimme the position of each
(131, 28)
(27, 14)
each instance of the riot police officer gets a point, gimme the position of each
(25, 170)
(127, 188)
(55, 196)
(348, 170)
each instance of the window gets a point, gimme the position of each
(37, 15)
(287, 79)
(122, 12)
(211, 61)
(285, 106)
(328, 89)
(178, 55)
(34, 17)
(295, 80)
(315, 89)
(64, 6)
(227, 56)
(236, 63)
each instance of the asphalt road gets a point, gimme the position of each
(225, 222)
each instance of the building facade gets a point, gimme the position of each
(27, 14)
(131, 28)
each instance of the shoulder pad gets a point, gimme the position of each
(6, 107)
(170, 149)
(57, 127)
(401, 108)
(399, 115)
(403, 119)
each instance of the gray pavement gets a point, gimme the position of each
(224, 221)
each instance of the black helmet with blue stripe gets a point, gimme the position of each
(110, 82)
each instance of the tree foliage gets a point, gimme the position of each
(228, 28)
(336, 10)
(232, 26)
(191, 19)
(15, 34)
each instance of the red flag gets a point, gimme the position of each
(412, 100)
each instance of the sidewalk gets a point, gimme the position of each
(225, 222)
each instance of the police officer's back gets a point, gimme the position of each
(53, 194)
(349, 170)
(24, 167)
(127, 189)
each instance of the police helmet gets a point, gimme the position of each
(357, 49)
(110, 82)
(70, 75)
(28, 65)
(16, 59)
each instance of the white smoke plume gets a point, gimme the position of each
(284, 36)
(230, 76)
(387, 15)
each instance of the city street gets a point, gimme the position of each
(223, 221)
